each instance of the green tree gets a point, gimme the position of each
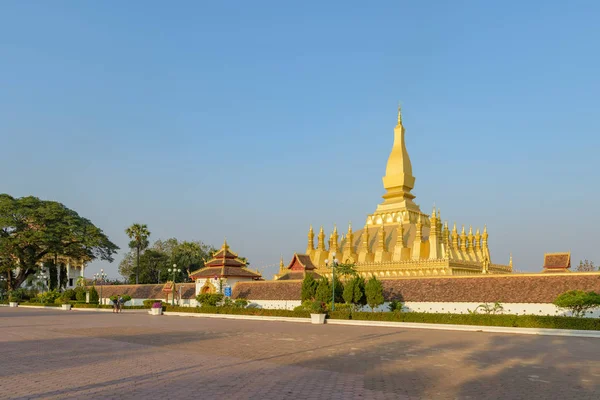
(309, 287)
(190, 256)
(33, 230)
(52, 274)
(63, 280)
(94, 296)
(138, 233)
(577, 301)
(354, 292)
(374, 292)
(346, 270)
(323, 293)
(339, 290)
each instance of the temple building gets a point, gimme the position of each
(398, 239)
(224, 269)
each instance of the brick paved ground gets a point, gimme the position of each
(74, 355)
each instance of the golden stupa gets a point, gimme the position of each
(399, 240)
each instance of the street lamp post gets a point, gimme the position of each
(42, 277)
(100, 277)
(334, 264)
(175, 271)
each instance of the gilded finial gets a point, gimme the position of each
(399, 114)
(433, 213)
(463, 230)
(225, 245)
(510, 261)
(281, 265)
(350, 227)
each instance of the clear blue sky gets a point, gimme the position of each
(252, 120)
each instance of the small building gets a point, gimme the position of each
(300, 266)
(224, 269)
(557, 262)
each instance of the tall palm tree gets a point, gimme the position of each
(138, 233)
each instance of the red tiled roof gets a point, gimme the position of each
(542, 288)
(301, 262)
(154, 291)
(225, 263)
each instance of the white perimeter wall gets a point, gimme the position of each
(427, 307)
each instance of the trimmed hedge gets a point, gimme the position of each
(508, 320)
(107, 306)
(40, 304)
(238, 311)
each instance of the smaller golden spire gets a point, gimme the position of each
(321, 239)
(477, 240)
(510, 261)
(419, 233)
(225, 245)
(454, 237)
(399, 114)
(281, 265)
(382, 238)
(463, 239)
(400, 238)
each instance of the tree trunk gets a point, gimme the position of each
(137, 268)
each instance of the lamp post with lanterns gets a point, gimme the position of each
(175, 271)
(334, 264)
(100, 277)
(41, 276)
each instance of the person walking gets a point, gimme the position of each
(120, 304)
(116, 305)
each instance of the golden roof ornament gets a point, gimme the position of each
(399, 114)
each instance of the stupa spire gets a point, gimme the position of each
(398, 180)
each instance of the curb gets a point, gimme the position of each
(406, 325)
(233, 316)
(470, 328)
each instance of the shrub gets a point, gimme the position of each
(157, 304)
(318, 307)
(309, 287)
(68, 294)
(14, 296)
(149, 303)
(209, 299)
(395, 305)
(374, 293)
(79, 293)
(354, 292)
(94, 297)
(50, 296)
(577, 301)
(227, 302)
(126, 298)
(240, 303)
(323, 293)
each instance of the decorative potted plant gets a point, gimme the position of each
(156, 308)
(65, 299)
(13, 299)
(318, 311)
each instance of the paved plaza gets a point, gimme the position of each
(79, 354)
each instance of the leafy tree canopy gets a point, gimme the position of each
(158, 258)
(578, 301)
(32, 230)
(374, 293)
